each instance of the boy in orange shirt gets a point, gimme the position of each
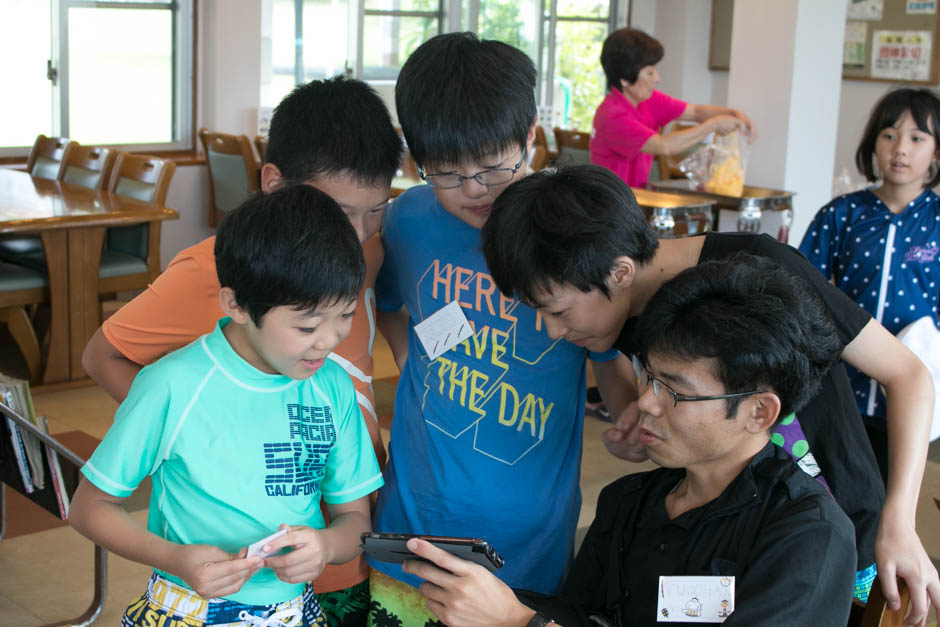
(337, 136)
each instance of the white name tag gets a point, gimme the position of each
(695, 599)
(443, 330)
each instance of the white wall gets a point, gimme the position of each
(228, 61)
(684, 68)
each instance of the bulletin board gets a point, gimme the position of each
(893, 41)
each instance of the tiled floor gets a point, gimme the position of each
(47, 576)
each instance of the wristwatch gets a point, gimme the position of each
(540, 620)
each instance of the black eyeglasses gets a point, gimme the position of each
(659, 386)
(490, 178)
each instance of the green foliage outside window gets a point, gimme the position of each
(579, 65)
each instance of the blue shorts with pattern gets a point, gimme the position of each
(166, 604)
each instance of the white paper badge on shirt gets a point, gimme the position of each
(695, 599)
(445, 328)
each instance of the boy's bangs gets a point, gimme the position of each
(475, 145)
(327, 301)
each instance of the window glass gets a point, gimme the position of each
(120, 76)
(514, 22)
(25, 37)
(401, 5)
(579, 80)
(584, 8)
(388, 41)
(283, 55)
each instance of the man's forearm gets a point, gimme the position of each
(908, 411)
(616, 382)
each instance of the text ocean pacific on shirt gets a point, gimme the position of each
(234, 452)
(486, 439)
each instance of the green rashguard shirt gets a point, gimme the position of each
(234, 452)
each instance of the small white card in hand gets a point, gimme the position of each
(256, 548)
(695, 599)
(445, 328)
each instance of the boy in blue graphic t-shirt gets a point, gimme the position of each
(486, 437)
(244, 430)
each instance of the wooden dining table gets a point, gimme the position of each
(71, 221)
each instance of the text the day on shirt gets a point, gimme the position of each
(470, 387)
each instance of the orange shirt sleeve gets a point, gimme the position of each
(178, 307)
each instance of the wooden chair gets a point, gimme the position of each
(88, 166)
(573, 147)
(47, 160)
(539, 158)
(541, 140)
(47, 157)
(19, 289)
(875, 613)
(131, 256)
(261, 146)
(233, 172)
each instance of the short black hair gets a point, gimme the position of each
(761, 325)
(460, 99)
(627, 51)
(293, 247)
(924, 107)
(334, 126)
(564, 227)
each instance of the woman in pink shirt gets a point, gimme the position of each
(627, 123)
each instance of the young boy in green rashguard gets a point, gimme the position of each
(244, 430)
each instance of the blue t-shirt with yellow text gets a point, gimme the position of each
(486, 439)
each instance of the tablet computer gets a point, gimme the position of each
(391, 547)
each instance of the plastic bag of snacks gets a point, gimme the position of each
(719, 166)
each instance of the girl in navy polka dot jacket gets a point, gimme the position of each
(881, 245)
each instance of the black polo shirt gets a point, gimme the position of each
(774, 528)
(833, 427)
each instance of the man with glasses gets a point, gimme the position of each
(488, 432)
(575, 244)
(729, 528)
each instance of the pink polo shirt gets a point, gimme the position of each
(620, 130)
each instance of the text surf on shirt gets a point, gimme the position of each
(297, 466)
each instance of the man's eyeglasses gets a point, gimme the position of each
(645, 379)
(491, 177)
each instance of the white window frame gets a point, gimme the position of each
(616, 17)
(183, 69)
(442, 14)
(459, 15)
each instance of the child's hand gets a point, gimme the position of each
(212, 572)
(305, 562)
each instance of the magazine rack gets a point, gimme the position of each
(46, 498)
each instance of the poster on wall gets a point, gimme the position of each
(921, 7)
(901, 55)
(865, 9)
(856, 34)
